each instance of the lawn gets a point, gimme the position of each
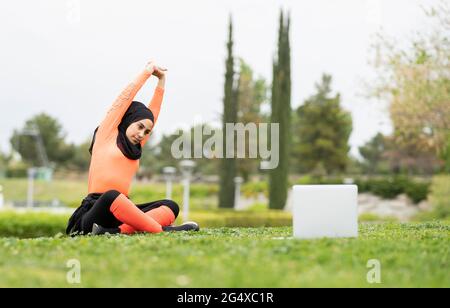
(71, 192)
(411, 255)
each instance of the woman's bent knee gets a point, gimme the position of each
(172, 205)
(109, 196)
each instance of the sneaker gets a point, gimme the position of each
(187, 226)
(99, 230)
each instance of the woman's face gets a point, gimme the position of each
(137, 131)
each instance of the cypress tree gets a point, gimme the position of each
(281, 114)
(228, 165)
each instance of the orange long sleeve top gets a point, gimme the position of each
(110, 168)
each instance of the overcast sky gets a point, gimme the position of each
(71, 58)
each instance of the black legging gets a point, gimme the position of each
(100, 213)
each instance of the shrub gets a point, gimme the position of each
(318, 180)
(204, 190)
(230, 218)
(30, 225)
(252, 189)
(387, 189)
(26, 225)
(304, 180)
(391, 187)
(258, 207)
(440, 196)
(363, 186)
(17, 171)
(417, 192)
(369, 217)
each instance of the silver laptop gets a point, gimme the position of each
(325, 211)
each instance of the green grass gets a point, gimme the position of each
(71, 192)
(32, 224)
(440, 196)
(411, 255)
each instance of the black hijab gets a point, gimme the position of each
(137, 111)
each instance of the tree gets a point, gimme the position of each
(53, 141)
(252, 94)
(446, 156)
(383, 154)
(230, 108)
(323, 129)
(81, 157)
(156, 156)
(281, 114)
(373, 153)
(415, 81)
(4, 160)
(410, 158)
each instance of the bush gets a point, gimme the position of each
(204, 190)
(417, 192)
(252, 189)
(258, 207)
(230, 218)
(363, 185)
(18, 170)
(369, 217)
(27, 225)
(330, 181)
(304, 180)
(317, 180)
(391, 187)
(30, 225)
(387, 189)
(440, 196)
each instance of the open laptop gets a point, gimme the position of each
(325, 211)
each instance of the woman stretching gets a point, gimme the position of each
(116, 149)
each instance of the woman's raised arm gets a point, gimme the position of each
(156, 102)
(122, 102)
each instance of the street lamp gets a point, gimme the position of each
(186, 167)
(169, 174)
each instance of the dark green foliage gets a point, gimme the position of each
(322, 131)
(33, 225)
(391, 187)
(372, 152)
(281, 114)
(53, 139)
(228, 165)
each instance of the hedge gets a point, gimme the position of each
(384, 187)
(391, 187)
(30, 225)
